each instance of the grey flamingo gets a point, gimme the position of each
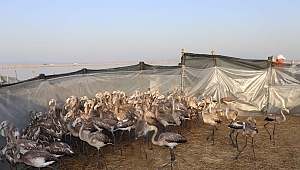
(169, 139)
(211, 119)
(248, 131)
(35, 158)
(275, 119)
(238, 126)
(96, 139)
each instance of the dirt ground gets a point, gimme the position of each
(200, 154)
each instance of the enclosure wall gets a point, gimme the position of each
(257, 85)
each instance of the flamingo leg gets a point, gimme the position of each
(254, 158)
(149, 142)
(274, 134)
(63, 162)
(114, 142)
(142, 146)
(230, 135)
(130, 140)
(171, 161)
(236, 140)
(212, 134)
(236, 157)
(104, 160)
(26, 167)
(166, 129)
(265, 125)
(98, 159)
(74, 143)
(121, 141)
(51, 167)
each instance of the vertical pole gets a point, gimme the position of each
(142, 67)
(182, 51)
(273, 59)
(293, 62)
(141, 79)
(16, 76)
(32, 74)
(214, 58)
(0, 79)
(182, 70)
(7, 78)
(270, 60)
(182, 57)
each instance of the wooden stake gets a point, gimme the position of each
(7, 78)
(273, 59)
(16, 76)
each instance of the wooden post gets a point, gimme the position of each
(7, 78)
(273, 59)
(214, 58)
(182, 57)
(0, 79)
(16, 76)
(32, 74)
(269, 79)
(182, 70)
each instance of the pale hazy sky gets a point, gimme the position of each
(152, 30)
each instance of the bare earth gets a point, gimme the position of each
(199, 154)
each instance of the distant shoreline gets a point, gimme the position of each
(8, 66)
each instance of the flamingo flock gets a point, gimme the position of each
(107, 118)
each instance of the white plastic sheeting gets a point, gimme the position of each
(248, 88)
(257, 90)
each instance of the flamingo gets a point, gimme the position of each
(169, 139)
(238, 126)
(248, 130)
(35, 158)
(275, 119)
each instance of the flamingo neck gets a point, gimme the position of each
(204, 108)
(226, 111)
(86, 108)
(69, 127)
(117, 108)
(91, 109)
(81, 136)
(173, 105)
(284, 118)
(173, 108)
(251, 119)
(155, 133)
(143, 115)
(156, 112)
(101, 114)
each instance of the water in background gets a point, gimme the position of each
(24, 73)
